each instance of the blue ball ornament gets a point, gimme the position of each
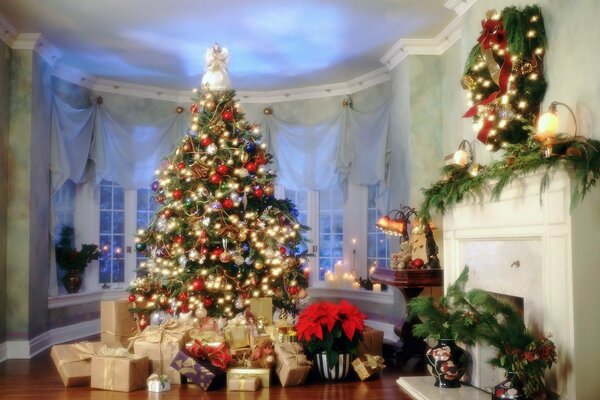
(250, 148)
(154, 186)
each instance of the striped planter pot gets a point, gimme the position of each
(339, 372)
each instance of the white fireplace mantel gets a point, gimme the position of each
(546, 254)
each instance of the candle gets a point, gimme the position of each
(377, 287)
(355, 285)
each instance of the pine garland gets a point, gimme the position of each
(519, 160)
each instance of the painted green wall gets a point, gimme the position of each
(4, 107)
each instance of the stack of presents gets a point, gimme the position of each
(242, 354)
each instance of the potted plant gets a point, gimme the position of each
(331, 333)
(72, 261)
(451, 319)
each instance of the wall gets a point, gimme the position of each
(4, 107)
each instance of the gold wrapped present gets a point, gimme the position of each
(158, 383)
(367, 366)
(161, 343)
(262, 307)
(243, 384)
(73, 362)
(263, 374)
(372, 342)
(207, 336)
(117, 324)
(119, 370)
(237, 336)
(292, 366)
(260, 339)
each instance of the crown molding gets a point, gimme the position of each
(73, 75)
(459, 6)
(8, 32)
(132, 89)
(26, 41)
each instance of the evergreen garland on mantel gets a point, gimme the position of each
(519, 160)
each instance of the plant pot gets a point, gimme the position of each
(338, 372)
(72, 280)
(509, 389)
(447, 363)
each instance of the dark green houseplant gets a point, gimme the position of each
(73, 261)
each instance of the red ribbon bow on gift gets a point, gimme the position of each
(218, 355)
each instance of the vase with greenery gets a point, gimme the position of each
(331, 333)
(73, 261)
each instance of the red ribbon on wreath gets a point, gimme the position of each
(493, 34)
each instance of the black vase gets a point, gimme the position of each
(72, 280)
(447, 363)
(509, 389)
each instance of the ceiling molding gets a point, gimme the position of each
(26, 41)
(48, 51)
(8, 32)
(149, 92)
(459, 6)
(73, 75)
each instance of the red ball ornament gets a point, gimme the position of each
(194, 108)
(179, 240)
(197, 284)
(217, 252)
(258, 192)
(181, 165)
(222, 169)
(203, 250)
(215, 178)
(182, 296)
(227, 203)
(167, 213)
(185, 308)
(177, 194)
(293, 290)
(132, 298)
(282, 250)
(207, 302)
(251, 167)
(170, 311)
(206, 142)
(261, 160)
(227, 115)
(417, 263)
(143, 323)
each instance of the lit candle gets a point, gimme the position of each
(377, 287)
(355, 285)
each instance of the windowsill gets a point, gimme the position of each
(67, 300)
(386, 297)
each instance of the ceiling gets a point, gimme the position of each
(273, 44)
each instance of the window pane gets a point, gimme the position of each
(331, 229)
(377, 243)
(118, 198)
(112, 229)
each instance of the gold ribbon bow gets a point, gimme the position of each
(117, 352)
(293, 351)
(243, 378)
(85, 349)
(374, 362)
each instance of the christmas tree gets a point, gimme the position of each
(219, 237)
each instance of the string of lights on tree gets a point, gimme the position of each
(219, 237)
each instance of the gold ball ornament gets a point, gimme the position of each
(269, 190)
(201, 312)
(258, 265)
(225, 257)
(210, 105)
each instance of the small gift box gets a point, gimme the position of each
(158, 383)
(117, 324)
(263, 374)
(367, 366)
(237, 336)
(243, 384)
(73, 362)
(262, 307)
(118, 370)
(202, 372)
(292, 365)
(161, 343)
(372, 342)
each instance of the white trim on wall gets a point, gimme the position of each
(8, 32)
(24, 349)
(369, 296)
(2, 352)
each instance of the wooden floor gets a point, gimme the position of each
(37, 379)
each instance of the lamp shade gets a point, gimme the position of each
(461, 157)
(547, 125)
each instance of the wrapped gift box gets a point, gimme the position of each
(73, 362)
(263, 375)
(367, 366)
(117, 324)
(201, 372)
(372, 342)
(157, 384)
(161, 344)
(262, 307)
(292, 366)
(260, 339)
(243, 384)
(237, 336)
(122, 374)
(241, 357)
(207, 336)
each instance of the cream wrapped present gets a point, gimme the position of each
(292, 366)
(158, 383)
(263, 375)
(73, 362)
(262, 307)
(243, 384)
(161, 343)
(237, 334)
(117, 324)
(119, 370)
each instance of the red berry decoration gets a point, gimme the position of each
(251, 167)
(222, 169)
(258, 192)
(206, 142)
(207, 302)
(194, 108)
(227, 203)
(282, 250)
(177, 194)
(182, 296)
(179, 240)
(181, 165)
(261, 160)
(215, 178)
(227, 115)
(417, 263)
(293, 290)
(132, 298)
(217, 252)
(197, 284)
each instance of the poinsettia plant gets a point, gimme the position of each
(331, 328)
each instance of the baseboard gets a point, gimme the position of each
(28, 348)
(386, 327)
(3, 352)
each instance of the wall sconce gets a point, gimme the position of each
(465, 157)
(396, 222)
(547, 127)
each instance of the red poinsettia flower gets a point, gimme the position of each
(352, 319)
